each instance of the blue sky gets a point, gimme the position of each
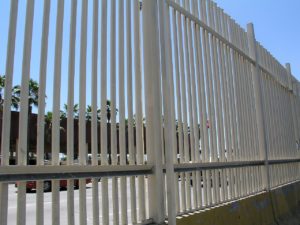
(36, 47)
(276, 26)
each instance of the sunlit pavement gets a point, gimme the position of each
(31, 205)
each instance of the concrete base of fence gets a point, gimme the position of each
(279, 207)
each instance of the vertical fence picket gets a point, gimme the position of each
(186, 114)
(184, 111)
(153, 115)
(70, 111)
(113, 127)
(192, 105)
(41, 112)
(199, 127)
(177, 110)
(94, 119)
(6, 116)
(103, 132)
(122, 112)
(210, 93)
(168, 108)
(82, 108)
(139, 111)
(178, 100)
(131, 155)
(24, 105)
(56, 111)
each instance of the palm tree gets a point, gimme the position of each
(33, 90)
(48, 127)
(48, 117)
(64, 112)
(88, 113)
(108, 110)
(33, 95)
(15, 100)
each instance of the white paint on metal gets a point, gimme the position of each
(23, 118)
(70, 110)
(6, 115)
(55, 137)
(197, 66)
(82, 109)
(41, 112)
(258, 103)
(153, 111)
(138, 109)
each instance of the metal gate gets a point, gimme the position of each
(179, 109)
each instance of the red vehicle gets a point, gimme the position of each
(31, 185)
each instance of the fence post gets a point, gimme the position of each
(168, 106)
(292, 92)
(261, 128)
(153, 110)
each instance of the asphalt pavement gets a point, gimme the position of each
(31, 205)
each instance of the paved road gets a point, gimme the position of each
(31, 205)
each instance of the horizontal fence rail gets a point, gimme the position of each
(141, 110)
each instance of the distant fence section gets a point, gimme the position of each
(199, 112)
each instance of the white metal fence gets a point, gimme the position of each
(200, 113)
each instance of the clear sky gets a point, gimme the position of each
(276, 25)
(36, 46)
